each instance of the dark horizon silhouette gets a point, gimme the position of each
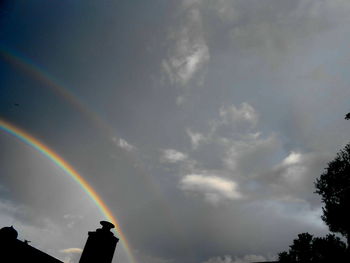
(99, 247)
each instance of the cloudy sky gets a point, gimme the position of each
(201, 123)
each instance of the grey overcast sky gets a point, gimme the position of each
(201, 123)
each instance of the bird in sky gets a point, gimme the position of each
(347, 116)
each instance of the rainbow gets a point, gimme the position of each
(37, 72)
(68, 169)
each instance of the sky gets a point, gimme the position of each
(201, 124)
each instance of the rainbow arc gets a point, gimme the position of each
(69, 170)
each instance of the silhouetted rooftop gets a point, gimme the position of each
(17, 251)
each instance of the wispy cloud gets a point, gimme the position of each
(123, 144)
(72, 219)
(244, 114)
(173, 156)
(189, 53)
(195, 137)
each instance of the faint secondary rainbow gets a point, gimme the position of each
(68, 169)
(40, 74)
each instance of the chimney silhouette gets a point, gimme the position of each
(100, 245)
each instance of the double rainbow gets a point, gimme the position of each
(40, 74)
(68, 169)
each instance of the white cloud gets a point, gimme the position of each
(214, 188)
(74, 250)
(224, 259)
(293, 178)
(234, 121)
(230, 259)
(71, 254)
(292, 158)
(293, 168)
(239, 154)
(247, 153)
(245, 114)
(173, 156)
(123, 144)
(190, 53)
(196, 138)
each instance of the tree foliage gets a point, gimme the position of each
(309, 249)
(334, 187)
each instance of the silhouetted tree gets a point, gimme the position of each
(284, 257)
(334, 187)
(307, 249)
(328, 249)
(301, 249)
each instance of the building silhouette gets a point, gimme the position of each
(99, 247)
